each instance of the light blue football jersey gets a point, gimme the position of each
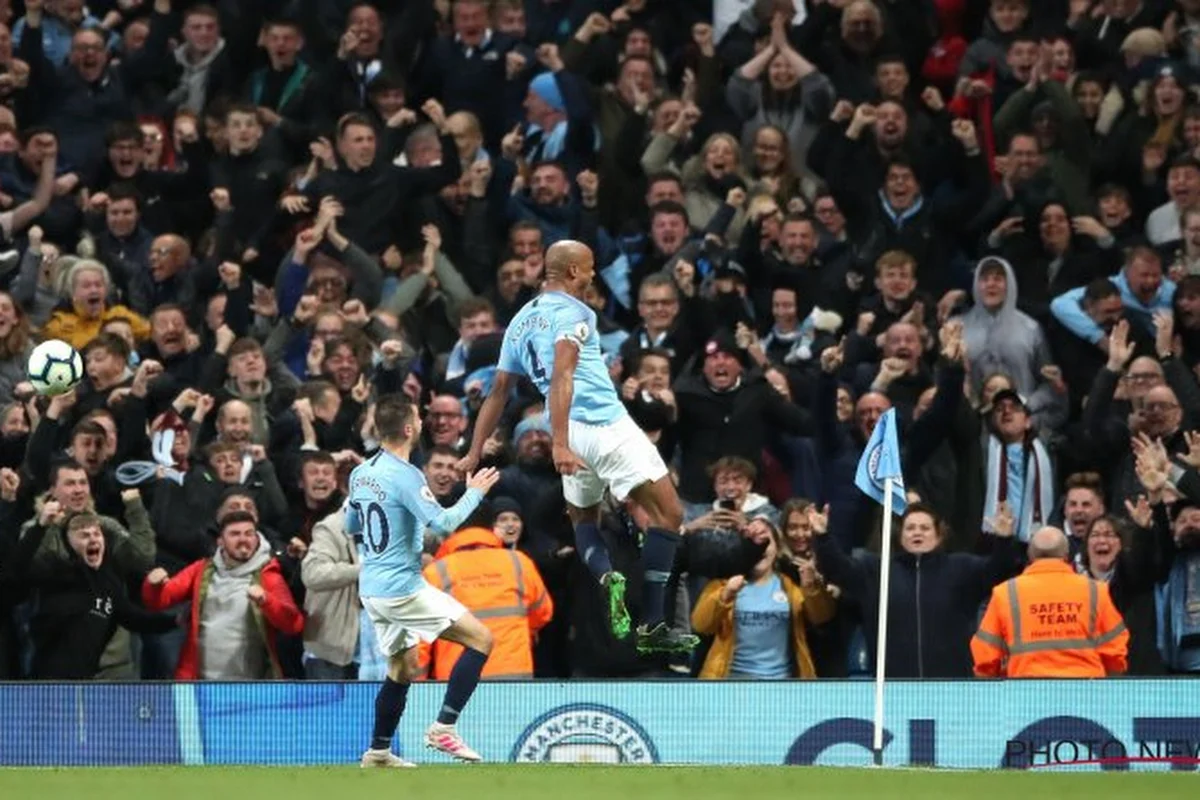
(387, 511)
(528, 350)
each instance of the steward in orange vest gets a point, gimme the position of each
(1050, 622)
(501, 587)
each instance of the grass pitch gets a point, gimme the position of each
(533, 782)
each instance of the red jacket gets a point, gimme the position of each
(277, 614)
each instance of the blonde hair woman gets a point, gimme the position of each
(707, 176)
(758, 620)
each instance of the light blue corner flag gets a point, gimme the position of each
(880, 461)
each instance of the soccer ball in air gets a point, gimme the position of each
(54, 368)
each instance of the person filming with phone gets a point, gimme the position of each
(733, 484)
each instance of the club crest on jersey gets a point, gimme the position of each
(583, 733)
(427, 494)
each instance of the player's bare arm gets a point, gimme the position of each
(562, 389)
(489, 417)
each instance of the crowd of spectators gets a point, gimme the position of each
(255, 217)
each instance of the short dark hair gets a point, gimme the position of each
(1085, 480)
(123, 131)
(668, 207)
(234, 517)
(66, 464)
(353, 118)
(1185, 161)
(240, 108)
(650, 352)
(737, 464)
(202, 10)
(440, 450)
(283, 22)
(25, 136)
(659, 177)
(900, 160)
(125, 191)
(392, 413)
(110, 342)
(558, 165)
(88, 427)
(1100, 289)
(163, 308)
(317, 457)
(474, 306)
(215, 448)
(315, 390)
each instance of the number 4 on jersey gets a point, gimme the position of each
(535, 364)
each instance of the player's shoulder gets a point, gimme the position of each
(383, 465)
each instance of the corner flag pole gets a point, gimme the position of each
(885, 571)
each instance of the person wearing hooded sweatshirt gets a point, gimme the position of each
(79, 604)
(239, 604)
(498, 584)
(1002, 339)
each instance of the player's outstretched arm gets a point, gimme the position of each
(489, 417)
(562, 392)
(478, 485)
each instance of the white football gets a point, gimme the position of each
(54, 368)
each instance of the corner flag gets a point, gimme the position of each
(881, 461)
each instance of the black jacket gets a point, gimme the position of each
(933, 603)
(378, 199)
(738, 422)
(77, 610)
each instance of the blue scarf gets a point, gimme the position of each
(1177, 602)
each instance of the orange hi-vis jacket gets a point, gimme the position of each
(501, 587)
(1050, 622)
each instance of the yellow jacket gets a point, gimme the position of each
(714, 617)
(77, 330)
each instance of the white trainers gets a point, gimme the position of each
(373, 759)
(446, 739)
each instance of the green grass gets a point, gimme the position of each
(533, 782)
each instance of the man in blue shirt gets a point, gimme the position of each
(388, 508)
(553, 341)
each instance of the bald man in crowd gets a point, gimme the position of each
(170, 279)
(1050, 622)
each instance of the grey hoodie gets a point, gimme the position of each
(1011, 342)
(230, 645)
(192, 91)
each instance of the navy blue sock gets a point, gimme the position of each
(389, 705)
(463, 680)
(591, 548)
(658, 556)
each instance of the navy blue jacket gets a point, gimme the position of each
(933, 603)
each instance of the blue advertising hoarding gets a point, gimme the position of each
(1118, 724)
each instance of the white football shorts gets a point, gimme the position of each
(619, 457)
(402, 622)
